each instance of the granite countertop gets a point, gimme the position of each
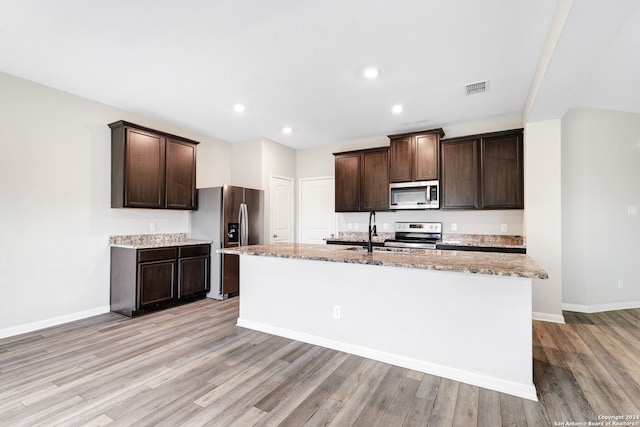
(484, 240)
(475, 240)
(148, 241)
(489, 263)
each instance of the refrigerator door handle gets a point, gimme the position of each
(246, 225)
(243, 220)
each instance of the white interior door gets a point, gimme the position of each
(281, 209)
(317, 209)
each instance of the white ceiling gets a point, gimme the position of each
(298, 63)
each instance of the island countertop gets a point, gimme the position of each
(487, 263)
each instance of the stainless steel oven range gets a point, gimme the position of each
(419, 235)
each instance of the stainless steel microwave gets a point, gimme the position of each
(414, 195)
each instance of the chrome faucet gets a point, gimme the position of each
(372, 230)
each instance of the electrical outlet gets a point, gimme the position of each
(349, 226)
(152, 226)
(503, 228)
(357, 226)
(336, 312)
(454, 226)
(632, 210)
(386, 225)
(620, 284)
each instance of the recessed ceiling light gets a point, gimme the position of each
(239, 108)
(287, 129)
(371, 72)
(397, 109)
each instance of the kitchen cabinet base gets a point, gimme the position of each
(157, 307)
(147, 280)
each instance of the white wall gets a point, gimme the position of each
(543, 214)
(601, 184)
(254, 161)
(246, 164)
(55, 215)
(319, 161)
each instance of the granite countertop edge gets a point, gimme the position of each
(166, 244)
(493, 264)
(448, 240)
(150, 241)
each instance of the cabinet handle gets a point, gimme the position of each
(275, 235)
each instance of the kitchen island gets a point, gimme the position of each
(460, 315)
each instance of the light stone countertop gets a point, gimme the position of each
(149, 241)
(477, 240)
(488, 263)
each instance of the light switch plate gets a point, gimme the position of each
(632, 210)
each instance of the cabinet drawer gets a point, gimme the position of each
(145, 255)
(195, 250)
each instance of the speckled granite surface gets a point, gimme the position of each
(362, 237)
(146, 241)
(488, 240)
(479, 240)
(496, 264)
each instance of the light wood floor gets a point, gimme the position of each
(192, 366)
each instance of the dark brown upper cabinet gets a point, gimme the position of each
(502, 172)
(459, 184)
(151, 169)
(415, 156)
(362, 180)
(483, 171)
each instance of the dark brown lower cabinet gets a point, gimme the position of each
(157, 282)
(145, 280)
(193, 270)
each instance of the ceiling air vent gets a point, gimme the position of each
(477, 87)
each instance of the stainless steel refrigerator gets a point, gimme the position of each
(230, 216)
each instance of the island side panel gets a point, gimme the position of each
(468, 327)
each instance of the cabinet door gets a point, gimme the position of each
(460, 175)
(400, 153)
(144, 170)
(426, 157)
(181, 175)
(348, 173)
(375, 181)
(156, 282)
(502, 172)
(192, 276)
(193, 270)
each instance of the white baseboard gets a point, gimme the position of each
(597, 308)
(54, 321)
(516, 389)
(548, 317)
